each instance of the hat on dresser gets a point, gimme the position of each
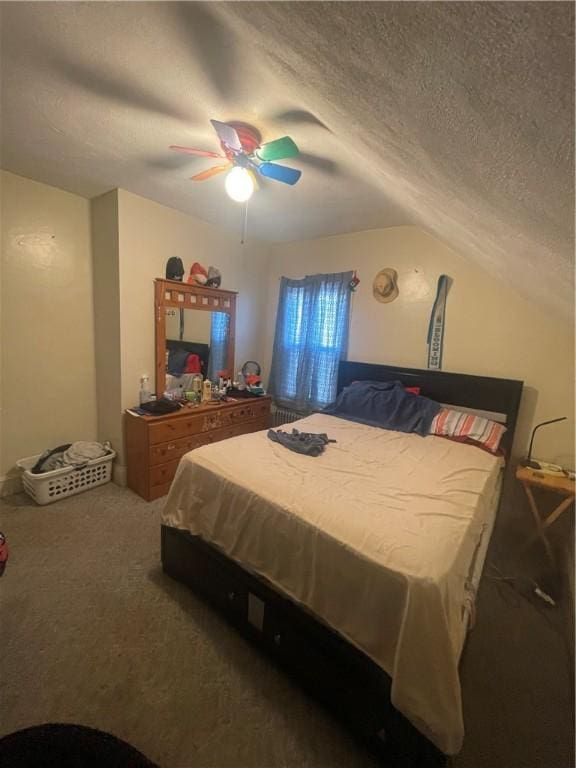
(198, 274)
(214, 278)
(174, 269)
(385, 285)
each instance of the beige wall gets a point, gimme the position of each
(149, 233)
(104, 218)
(490, 330)
(47, 358)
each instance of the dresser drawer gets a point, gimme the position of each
(154, 448)
(238, 414)
(262, 409)
(224, 434)
(163, 473)
(167, 431)
(250, 410)
(163, 452)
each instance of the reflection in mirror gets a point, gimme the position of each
(196, 343)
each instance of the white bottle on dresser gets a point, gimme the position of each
(144, 390)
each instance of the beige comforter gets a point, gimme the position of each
(379, 537)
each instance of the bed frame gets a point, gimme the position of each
(337, 674)
(194, 347)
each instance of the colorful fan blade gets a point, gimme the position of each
(279, 173)
(280, 149)
(198, 152)
(227, 135)
(210, 172)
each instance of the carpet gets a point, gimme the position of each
(92, 632)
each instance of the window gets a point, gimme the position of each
(218, 360)
(311, 339)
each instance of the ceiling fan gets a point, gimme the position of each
(246, 158)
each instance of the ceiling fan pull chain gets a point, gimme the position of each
(244, 224)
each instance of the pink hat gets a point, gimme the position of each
(198, 274)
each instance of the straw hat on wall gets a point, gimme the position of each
(385, 285)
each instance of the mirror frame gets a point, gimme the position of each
(177, 295)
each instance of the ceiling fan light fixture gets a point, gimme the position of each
(239, 185)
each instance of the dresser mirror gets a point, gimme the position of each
(195, 330)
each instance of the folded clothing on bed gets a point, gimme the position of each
(385, 404)
(307, 443)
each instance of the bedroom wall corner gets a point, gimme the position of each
(149, 234)
(105, 248)
(48, 388)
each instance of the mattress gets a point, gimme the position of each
(382, 537)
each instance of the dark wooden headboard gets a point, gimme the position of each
(194, 347)
(459, 389)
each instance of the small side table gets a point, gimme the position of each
(564, 486)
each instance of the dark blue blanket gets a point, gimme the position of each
(385, 404)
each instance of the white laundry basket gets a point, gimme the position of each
(50, 486)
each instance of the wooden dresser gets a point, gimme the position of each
(155, 444)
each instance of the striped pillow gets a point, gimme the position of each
(465, 427)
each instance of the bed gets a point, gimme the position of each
(356, 569)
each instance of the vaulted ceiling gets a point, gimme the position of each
(458, 117)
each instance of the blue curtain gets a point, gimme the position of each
(311, 338)
(218, 360)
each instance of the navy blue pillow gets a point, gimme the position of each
(385, 404)
(177, 361)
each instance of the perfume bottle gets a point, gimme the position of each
(207, 391)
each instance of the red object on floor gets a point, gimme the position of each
(3, 553)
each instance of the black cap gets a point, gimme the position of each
(174, 269)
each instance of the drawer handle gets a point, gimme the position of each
(170, 447)
(231, 596)
(277, 638)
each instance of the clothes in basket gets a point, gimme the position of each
(70, 455)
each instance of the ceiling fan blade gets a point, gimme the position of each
(279, 149)
(227, 135)
(203, 175)
(191, 151)
(254, 177)
(280, 172)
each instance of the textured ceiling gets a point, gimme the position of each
(458, 117)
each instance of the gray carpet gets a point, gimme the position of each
(92, 632)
